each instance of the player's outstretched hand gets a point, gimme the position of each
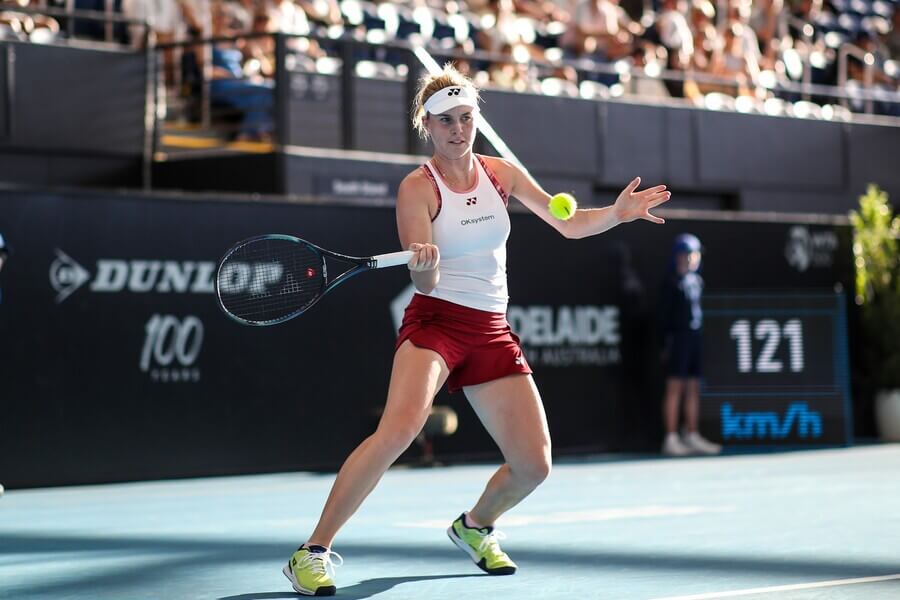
(631, 205)
(426, 258)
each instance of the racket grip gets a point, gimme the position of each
(393, 259)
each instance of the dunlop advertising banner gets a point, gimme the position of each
(117, 363)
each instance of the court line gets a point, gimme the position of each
(783, 588)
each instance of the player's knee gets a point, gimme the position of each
(534, 470)
(396, 438)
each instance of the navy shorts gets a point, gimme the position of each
(686, 354)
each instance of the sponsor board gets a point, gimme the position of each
(171, 348)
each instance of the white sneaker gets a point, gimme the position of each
(696, 442)
(673, 446)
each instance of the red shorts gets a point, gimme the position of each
(477, 345)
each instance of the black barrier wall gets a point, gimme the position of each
(71, 116)
(118, 365)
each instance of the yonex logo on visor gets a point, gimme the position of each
(451, 97)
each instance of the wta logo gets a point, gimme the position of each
(807, 248)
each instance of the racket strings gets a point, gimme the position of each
(269, 279)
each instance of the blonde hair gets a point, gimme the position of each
(431, 84)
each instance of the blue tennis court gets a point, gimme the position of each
(817, 524)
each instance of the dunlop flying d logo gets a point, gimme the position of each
(66, 275)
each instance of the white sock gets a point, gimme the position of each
(470, 523)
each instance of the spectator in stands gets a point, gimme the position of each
(259, 52)
(516, 73)
(678, 39)
(870, 40)
(299, 18)
(27, 27)
(166, 22)
(601, 29)
(706, 37)
(294, 19)
(542, 10)
(738, 21)
(229, 87)
(804, 10)
(764, 22)
(651, 58)
(197, 17)
(196, 58)
(11, 26)
(891, 38)
(165, 18)
(856, 73)
(326, 13)
(681, 327)
(499, 29)
(729, 61)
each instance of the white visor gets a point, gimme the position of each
(451, 97)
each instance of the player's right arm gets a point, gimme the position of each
(416, 207)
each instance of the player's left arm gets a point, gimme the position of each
(629, 206)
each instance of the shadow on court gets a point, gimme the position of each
(228, 550)
(184, 556)
(363, 589)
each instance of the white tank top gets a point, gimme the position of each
(470, 230)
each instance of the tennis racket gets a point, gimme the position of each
(269, 279)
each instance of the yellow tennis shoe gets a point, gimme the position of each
(482, 547)
(311, 570)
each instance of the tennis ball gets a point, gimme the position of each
(562, 206)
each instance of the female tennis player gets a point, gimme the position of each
(452, 212)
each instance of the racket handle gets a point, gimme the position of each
(393, 259)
